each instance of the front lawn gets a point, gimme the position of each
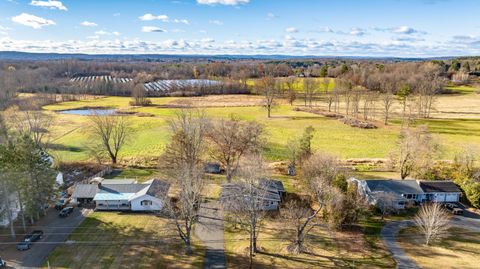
(459, 250)
(124, 240)
(326, 249)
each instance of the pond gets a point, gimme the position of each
(89, 112)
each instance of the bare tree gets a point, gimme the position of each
(33, 123)
(291, 92)
(310, 87)
(111, 132)
(248, 203)
(301, 218)
(432, 221)
(387, 102)
(231, 140)
(268, 90)
(183, 162)
(386, 202)
(416, 152)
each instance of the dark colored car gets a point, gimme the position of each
(33, 236)
(455, 209)
(25, 245)
(3, 264)
(65, 212)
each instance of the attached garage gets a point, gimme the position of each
(441, 191)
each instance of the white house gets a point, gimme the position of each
(269, 194)
(147, 196)
(398, 192)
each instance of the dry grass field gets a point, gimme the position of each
(460, 250)
(124, 240)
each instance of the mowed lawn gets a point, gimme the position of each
(71, 139)
(121, 240)
(460, 250)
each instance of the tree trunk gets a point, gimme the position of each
(228, 173)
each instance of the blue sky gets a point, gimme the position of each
(401, 28)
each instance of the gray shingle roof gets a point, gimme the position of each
(158, 188)
(122, 188)
(85, 191)
(395, 186)
(273, 184)
(439, 186)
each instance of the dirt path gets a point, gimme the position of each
(209, 229)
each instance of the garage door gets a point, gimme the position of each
(451, 197)
(439, 197)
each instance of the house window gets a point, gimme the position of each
(409, 196)
(146, 202)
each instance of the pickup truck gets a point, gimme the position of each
(61, 203)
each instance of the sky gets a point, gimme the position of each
(397, 28)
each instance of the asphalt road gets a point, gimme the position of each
(56, 231)
(209, 229)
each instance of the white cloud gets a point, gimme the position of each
(404, 30)
(357, 31)
(52, 4)
(271, 16)
(152, 29)
(105, 33)
(184, 21)
(164, 18)
(222, 2)
(209, 46)
(32, 21)
(291, 30)
(151, 17)
(216, 22)
(88, 24)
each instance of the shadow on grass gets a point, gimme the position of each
(123, 240)
(60, 147)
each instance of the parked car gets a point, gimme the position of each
(61, 203)
(65, 212)
(3, 264)
(25, 245)
(455, 209)
(33, 236)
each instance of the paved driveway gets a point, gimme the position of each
(391, 229)
(56, 231)
(389, 237)
(209, 229)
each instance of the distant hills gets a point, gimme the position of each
(27, 56)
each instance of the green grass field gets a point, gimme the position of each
(122, 240)
(299, 83)
(70, 133)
